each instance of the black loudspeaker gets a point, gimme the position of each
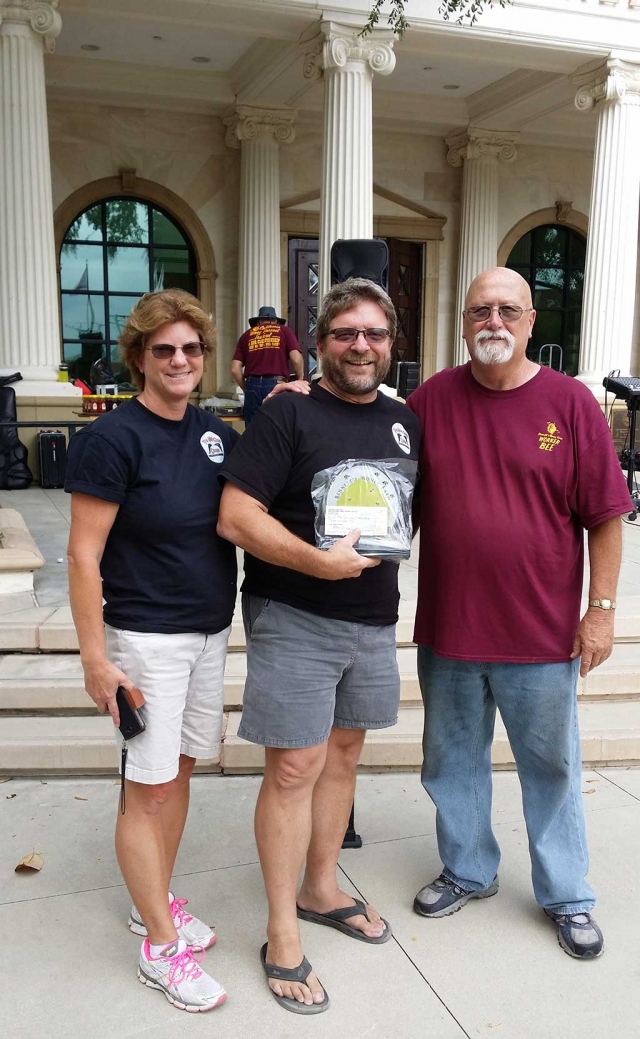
(407, 377)
(360, 258)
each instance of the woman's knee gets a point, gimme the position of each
(148, 798)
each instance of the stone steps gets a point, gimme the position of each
(41, 682)
(85, 745)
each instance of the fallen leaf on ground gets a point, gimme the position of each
(593, 781)
(9, 796)
(81, 798)
(30, 862)
(5, 779)
(592, 791)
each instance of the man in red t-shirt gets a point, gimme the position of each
(517, 460)
(262, 359)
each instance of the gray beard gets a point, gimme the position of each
(493, 352)
(339, 375)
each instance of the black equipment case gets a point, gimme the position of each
(52, 457)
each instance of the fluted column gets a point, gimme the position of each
(479, 152)
(29, 321)
(612, 243)
(348, 62)
(259, 132)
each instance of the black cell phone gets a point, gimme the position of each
(131, 723)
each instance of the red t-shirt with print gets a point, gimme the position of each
(264, 349)
(508, 481)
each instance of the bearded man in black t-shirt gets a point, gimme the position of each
(320, 627)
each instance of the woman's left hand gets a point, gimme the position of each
(298, 386)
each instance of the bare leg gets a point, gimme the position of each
(173, 813)
(332, 800)
(140, 848)
(283, 829)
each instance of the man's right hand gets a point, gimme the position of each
(101, 681)
(342, 560)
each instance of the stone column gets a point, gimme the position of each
(612, 243)
(348, 62)
(29, 318)
(479, 152)
(259, 132)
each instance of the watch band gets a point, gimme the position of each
(603, 604)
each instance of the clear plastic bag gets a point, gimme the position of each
(373, 496)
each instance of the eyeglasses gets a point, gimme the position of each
(349, 336)
(163, 351)
(507, 312)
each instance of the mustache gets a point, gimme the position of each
(502, 333)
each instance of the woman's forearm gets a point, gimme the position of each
(85, 595)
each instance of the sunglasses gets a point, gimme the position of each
(349, 336)
(507, 312)
(163, 351)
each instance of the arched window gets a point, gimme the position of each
(111, 254)
(551, 259)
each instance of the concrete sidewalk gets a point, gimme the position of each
(493, 970)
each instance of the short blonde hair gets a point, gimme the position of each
(150, 313)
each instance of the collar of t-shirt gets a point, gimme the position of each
(486, 391)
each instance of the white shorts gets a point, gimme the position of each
(181, 677)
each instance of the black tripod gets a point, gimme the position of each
(633, 406)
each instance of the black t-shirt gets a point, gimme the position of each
(292, 438)
(164, 568)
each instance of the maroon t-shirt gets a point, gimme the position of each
(265, 349)
(508, 481)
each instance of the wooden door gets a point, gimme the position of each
(303, 297)
(405, 286)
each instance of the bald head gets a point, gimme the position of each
(500, 282)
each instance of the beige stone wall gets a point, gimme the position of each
(182, 152)
(187, 154)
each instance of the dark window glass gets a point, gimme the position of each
(549, 246)
(165, 231)
(88, 226)
(521, 252)
(127, 221)
(111, 254)
(82, 268)
(551, 259)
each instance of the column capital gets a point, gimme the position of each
(336, 45)
(476, 143)
(614, 80)
(41, 15)
(251, 121)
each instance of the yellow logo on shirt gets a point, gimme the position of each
(550, 439)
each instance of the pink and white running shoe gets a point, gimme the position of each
(177, 973)
(196, 933)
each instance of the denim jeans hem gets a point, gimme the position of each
(572, 908)
(467, 885)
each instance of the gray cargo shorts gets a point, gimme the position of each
(307, 673)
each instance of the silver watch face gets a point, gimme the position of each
(605, 604)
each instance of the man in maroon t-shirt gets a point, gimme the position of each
(262, 359)
(517, 460)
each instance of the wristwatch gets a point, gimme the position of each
(603, 604)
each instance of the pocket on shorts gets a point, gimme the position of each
(254, 608)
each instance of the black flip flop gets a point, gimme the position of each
(300, 974)
(337, 918)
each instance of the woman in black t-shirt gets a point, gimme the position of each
(143, 534)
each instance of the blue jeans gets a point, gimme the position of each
(256, 388)
(538, 706)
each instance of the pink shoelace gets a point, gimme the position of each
(185, 967)
(180, 917)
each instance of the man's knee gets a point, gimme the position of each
(293, 770)
(345, 747)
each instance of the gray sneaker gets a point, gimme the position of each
(443, 897)
(579, 935)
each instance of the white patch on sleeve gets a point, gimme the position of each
(401, 437)
(212, 446)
